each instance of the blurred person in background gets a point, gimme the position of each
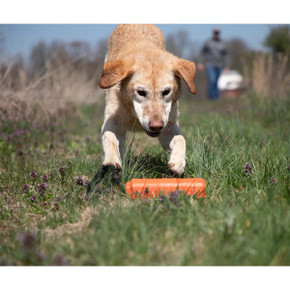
(214, 57)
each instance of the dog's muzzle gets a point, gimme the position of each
(155, 128)
(152, 134)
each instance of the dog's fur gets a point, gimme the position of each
(143, 82)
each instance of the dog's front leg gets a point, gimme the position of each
(113, 139)
(172, 140)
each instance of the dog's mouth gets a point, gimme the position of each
(152, 134)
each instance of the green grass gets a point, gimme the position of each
(244, 220)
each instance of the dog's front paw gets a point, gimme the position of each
(177, 166)
(114, 177)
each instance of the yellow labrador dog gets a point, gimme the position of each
(143, 87)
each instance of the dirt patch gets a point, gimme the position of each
(72, 228)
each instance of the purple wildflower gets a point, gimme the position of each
(41, 188)
(51, 175)
(288, 168)
(173, 194)
(247, 168)
(44, 178)
(79, 180)
(27, 240)
(87, 182)
(33, 174)
(25, 187)
(162, 197)
(32, 198)
(146, 201)
(173, 197)
(273, 180)
(61, 170)
(82, 180)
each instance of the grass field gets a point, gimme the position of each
(240, 147)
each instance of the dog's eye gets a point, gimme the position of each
(165, 92)
(142, 93)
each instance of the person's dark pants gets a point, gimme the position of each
(213, 74)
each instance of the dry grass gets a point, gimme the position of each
(52, 94)
(71, 228)
(268, 77)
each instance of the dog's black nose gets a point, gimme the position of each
(156, 126)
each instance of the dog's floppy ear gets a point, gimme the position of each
(186, 70)
(114, 72)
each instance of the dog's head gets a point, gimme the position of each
(150, 82)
